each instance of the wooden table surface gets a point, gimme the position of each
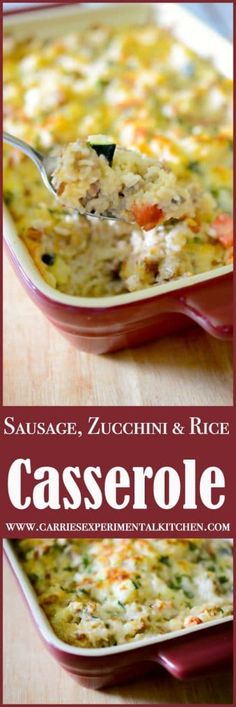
(42, 368)
(32, 676)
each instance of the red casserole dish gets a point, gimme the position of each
(201, 650)
(104, 324)
(110, 323)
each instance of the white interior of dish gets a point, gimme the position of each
(188, 29)
(51, 638)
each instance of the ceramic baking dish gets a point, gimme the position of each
(202, 650)
(110, 323)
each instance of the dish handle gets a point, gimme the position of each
(203, 652)
(210, 306)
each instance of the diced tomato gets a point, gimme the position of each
(147, 215)
(192, 621)
(223, 227)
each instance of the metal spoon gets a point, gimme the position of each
(46, 165)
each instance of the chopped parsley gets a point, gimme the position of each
(165, 560)
(194, 166)
(136, 583)
(120, 604)
(176, 583)
(222, 579)
(86, 561)
(83, 591)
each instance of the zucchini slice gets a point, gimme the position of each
(103, 145)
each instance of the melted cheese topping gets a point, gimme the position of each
(106, 592)
(148, 91)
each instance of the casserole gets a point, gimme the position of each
(199, 650)
(105, 324)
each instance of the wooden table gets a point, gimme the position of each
(32, 676)
(42, 368)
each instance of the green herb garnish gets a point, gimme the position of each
(84, 591)
(136, 583)
(165, 560)
(222, 579)
(120, 604)
(86, 561)
(176, 582)
(194, 166)
(188, 594)
(103, 83)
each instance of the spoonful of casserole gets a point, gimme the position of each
(97, 178)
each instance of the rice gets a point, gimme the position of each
(101, 258)
(134, 187)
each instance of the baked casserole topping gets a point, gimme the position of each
(105, 592)
(147, 90)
